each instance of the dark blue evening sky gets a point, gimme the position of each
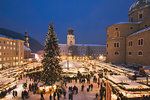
(89, 18)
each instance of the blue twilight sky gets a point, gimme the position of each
(89, 18)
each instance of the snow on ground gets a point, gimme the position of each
(80, 96)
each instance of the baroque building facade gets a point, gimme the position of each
(71, 48)
(128, 42)
(11, 52)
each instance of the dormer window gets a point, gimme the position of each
(140, 15)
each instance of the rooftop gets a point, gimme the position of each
(140, 31)
(139, 4)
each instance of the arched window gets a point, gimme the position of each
(140, 53)
(117, 53)
(141, 42)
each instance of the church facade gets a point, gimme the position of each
(71, 48)
(128, 42)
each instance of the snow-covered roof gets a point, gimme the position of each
(138, 32)
(83, 45)
(139, 3)
(128, 23)
(62, 44)
(89, 45)
(4, 36)
(26, 48)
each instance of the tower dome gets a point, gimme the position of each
(139, 4)
(139, 11)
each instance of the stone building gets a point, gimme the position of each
(27, 50)
(11, 52)
(71, 48)
(128, 42)
(70, 38)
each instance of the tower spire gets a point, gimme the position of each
(26, 39)
(70, 37)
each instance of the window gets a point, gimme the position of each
(117, 44)
(141, 42)
(117, 53)
(116, 28)
(107, 45)
(140, 53)
(117, 34)
(114, 44)
(131, 27)
(130, 53)
(130, 43)
(107, 35)
(145, 26)
(140, 16)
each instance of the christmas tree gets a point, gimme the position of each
(51, 67)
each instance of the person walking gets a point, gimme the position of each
(16, 93)
(64, 93)
(50, 96)
(91, 87)
(98, 84)
(70, 95)
(13, 93)
(58, 96)
(82, 87)
(96, 95)
(76, 90)
(42, 97)
(54, 96)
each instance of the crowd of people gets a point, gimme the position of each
(5, 91)
(24, 94)
(80, 84)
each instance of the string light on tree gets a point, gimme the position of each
(51, 67)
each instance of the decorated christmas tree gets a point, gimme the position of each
(51, 67)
